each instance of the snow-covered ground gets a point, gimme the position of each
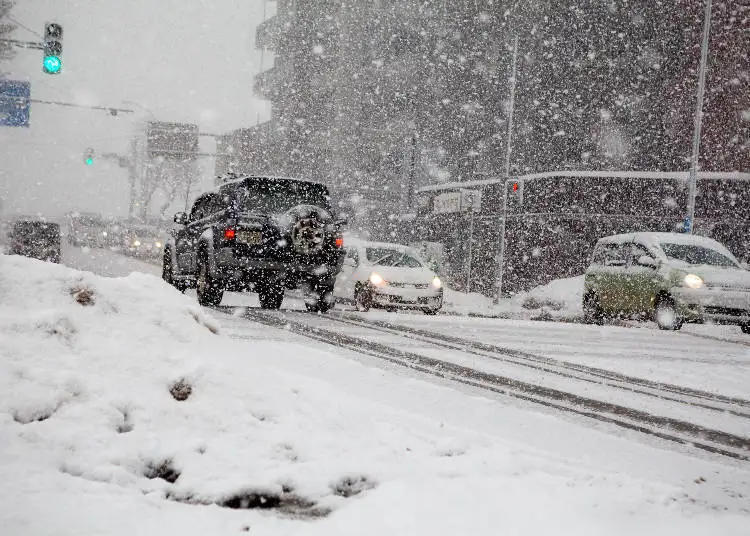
(90, 434)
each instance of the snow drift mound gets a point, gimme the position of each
(121, 388)
(560, 298)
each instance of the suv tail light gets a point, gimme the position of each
(229, 234)
(339, 241)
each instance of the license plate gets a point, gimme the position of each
(252, 238)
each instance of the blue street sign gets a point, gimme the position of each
(15, 103)
(687, 224)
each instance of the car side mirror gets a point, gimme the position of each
(181, 218)
(645, 260)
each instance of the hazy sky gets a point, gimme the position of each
(184, 60)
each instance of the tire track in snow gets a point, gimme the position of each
(666, 428)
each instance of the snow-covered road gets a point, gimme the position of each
(709, 358)
(276, 410)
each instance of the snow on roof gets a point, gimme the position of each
(272, 177)
(655, 238)
(371, 244)
(679, 175)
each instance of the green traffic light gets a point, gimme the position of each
(52, 64)
(89, 161)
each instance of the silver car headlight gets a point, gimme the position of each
(693, 281)
(436, 282)
(377, 280)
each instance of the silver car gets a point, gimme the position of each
(672, 277)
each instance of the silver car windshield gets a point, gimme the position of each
(693, 254)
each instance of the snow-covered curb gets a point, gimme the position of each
(558, 300)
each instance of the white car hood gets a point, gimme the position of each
(404, 275)
(714, 276)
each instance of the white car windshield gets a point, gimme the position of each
(392, 257)
(694, 254)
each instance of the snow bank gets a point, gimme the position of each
(124, 410)
(558, 298)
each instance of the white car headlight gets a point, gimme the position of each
(693, 281)
(157, 244)
(436, 282)
(136, 243)
(376, 279)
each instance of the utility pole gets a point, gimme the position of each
(501, 245)
(412, 173)
(512, 105)
(133, 169)
(503, 221)
(694, 157)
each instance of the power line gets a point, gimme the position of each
(22, 25)
(111, 109)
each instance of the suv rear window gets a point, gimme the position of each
(278, 195)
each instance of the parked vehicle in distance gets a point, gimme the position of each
(389, 276)
(34, 238)
(264, 233)
(87, 229)
(671, 277)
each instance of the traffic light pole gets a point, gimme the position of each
(24, 44)
(111, 109)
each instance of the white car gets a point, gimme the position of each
(389, 276)
(673, 277)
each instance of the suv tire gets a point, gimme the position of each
(208, 289)
(167, 272)
(745, 328)
(271, 295)
(666, 314)
(592, 309)
(362, 299)
(322, 301)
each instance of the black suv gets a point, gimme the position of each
(267, 233)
